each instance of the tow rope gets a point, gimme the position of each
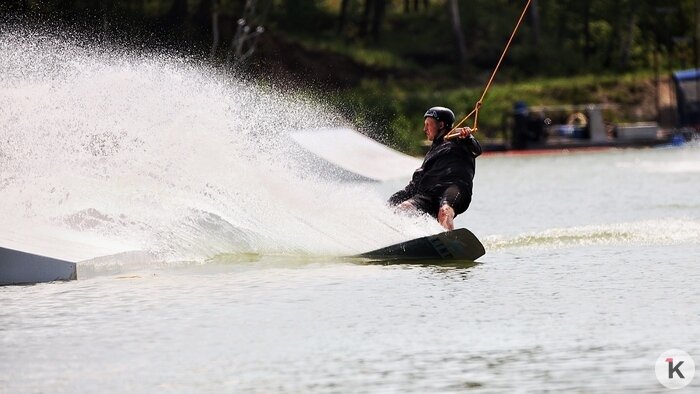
(479, 103)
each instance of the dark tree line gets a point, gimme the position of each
(559, 36)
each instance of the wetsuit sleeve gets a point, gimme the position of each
(472, 146)
(403, 195)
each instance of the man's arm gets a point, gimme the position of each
(472, 146)
(403, 195)
(468, 142)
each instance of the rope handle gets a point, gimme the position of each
(477, 106)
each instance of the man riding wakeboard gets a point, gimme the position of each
(442, 186)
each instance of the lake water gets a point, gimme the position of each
(590, 272)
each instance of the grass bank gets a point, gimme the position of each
(391, 110)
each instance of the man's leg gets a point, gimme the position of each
(408, 208)
(416, 205)
(452, 203)
(446, 216)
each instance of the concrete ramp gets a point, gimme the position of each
(356, 153)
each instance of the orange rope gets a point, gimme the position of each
(478, 104)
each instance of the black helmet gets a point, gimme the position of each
(441, 114)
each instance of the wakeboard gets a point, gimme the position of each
(460, 244)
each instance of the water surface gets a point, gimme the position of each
(590, 272)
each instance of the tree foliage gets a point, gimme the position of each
(387, 59)
(560, 37)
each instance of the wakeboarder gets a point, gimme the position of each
(442, 186)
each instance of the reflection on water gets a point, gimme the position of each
(439, 265)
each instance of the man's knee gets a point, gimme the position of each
(462, 206)
(456, 198)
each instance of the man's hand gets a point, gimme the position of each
(464, 132)
(446, 216)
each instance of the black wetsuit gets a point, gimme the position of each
(445, 176)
